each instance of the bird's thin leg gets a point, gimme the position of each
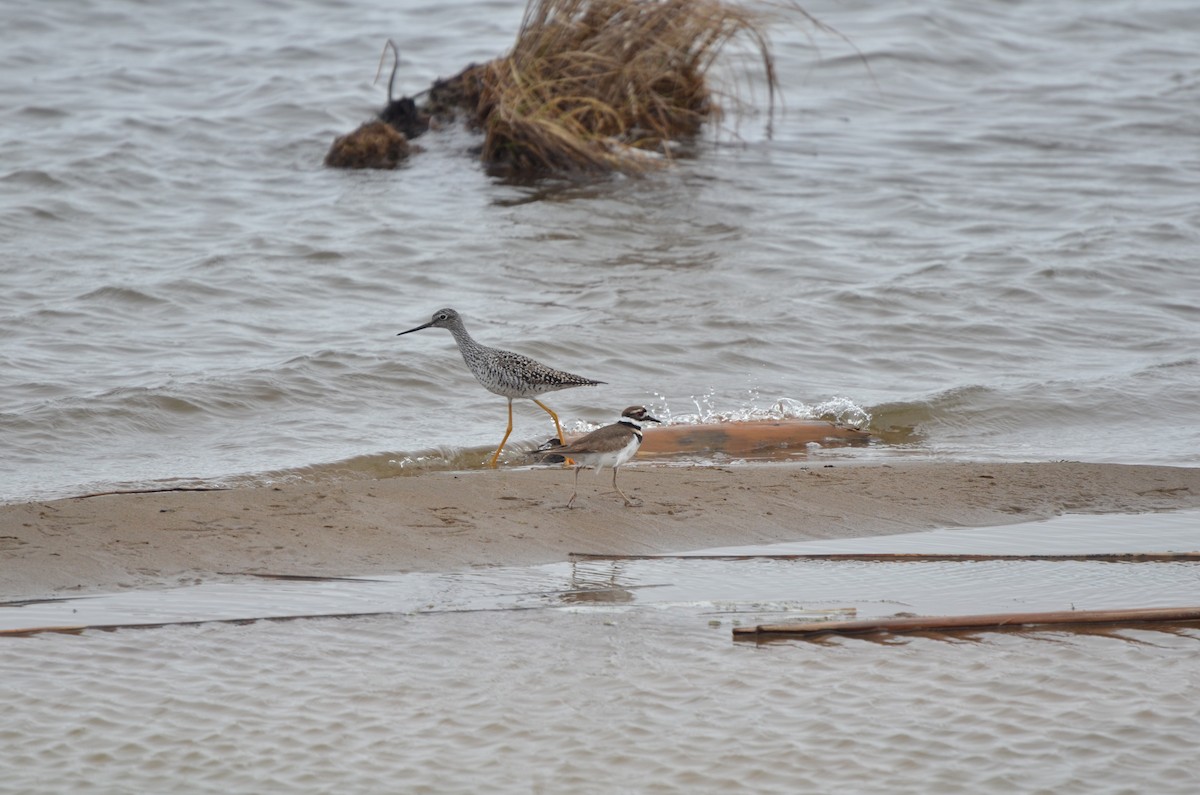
(508, 431)
(628, 502)
(561, 439)
(576, 492)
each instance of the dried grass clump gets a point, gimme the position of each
(590, 86)
(373, 145)
(598, 85)
(449, 98)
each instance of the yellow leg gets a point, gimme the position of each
(507, 432)
(561, 439)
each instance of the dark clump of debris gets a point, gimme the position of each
(375, 144)
(590, 86)
(404, 115)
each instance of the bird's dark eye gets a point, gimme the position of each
(442, 317)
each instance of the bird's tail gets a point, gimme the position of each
(548, 453)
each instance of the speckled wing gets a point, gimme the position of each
(513, 375)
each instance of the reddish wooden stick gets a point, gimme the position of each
(993, 621)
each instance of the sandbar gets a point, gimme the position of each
(443, 521)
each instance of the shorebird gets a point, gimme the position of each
(611, 446)
(505, 373)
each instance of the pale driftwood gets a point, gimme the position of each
(917, 557)
(988, 622)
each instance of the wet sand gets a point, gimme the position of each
(441, 521)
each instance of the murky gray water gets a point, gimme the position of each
(989, 238)
(622, 677)
(593, 703)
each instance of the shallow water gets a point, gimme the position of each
(623, 677)
(984, 237)
(640, 702)
(764, 585)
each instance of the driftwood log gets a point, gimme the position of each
(1064, 619)
(918, 557)
(759, 439)
(742, 439)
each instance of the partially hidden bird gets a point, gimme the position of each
(505, 373)
(610, 446)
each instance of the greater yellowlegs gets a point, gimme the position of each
(609, 446)
(505, 373)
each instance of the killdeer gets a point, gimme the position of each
(505, 373)
(611, 445)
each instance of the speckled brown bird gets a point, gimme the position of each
(505, 373)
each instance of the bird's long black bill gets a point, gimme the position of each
(411, 330)
(648, 418)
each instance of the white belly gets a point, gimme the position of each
(613, 458)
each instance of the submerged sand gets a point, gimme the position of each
(440, 521)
